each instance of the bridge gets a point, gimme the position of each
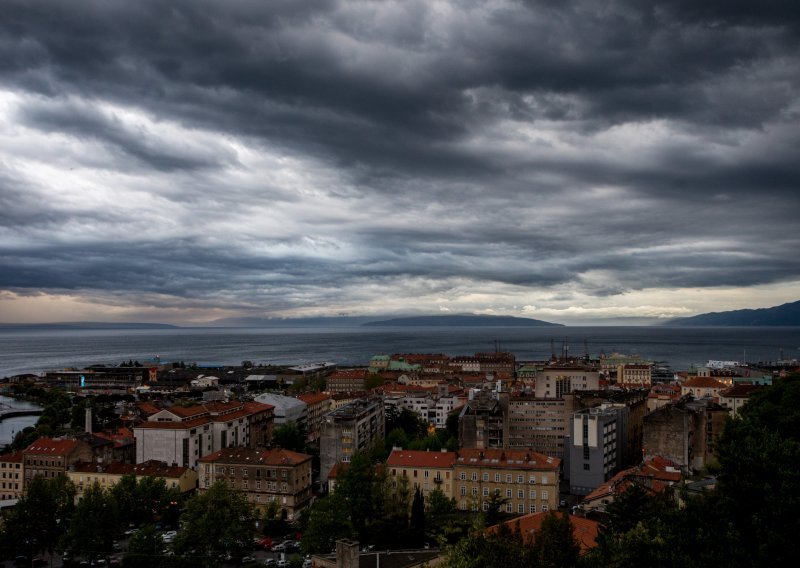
(9, 412)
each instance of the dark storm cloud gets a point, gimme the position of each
(528, 144)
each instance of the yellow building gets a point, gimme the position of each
(527, 481)
(424, 470)
(11, 475)
(86, 474)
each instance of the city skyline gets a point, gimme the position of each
(569, 162)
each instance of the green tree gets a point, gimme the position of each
(217, 522)
(500, 548)
(328, 522)
(418, 516)
(144, 549)
(290, 437)
(94, 524)
(373, 380)
(38, 521)
(355, 486)
(554, 545)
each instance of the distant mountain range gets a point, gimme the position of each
(461, 320)
(339, 321)
(784, 315)
(87, 325)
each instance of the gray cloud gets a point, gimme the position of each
(296, 155)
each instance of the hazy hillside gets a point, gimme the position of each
(784, 315)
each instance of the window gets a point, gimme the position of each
(520, 494)
(532, 494)
(586, 452)
(586, 467)
(509, 494)
(508, 478)
(463, 475)
(244, 485)
(463, 491)
(485, 506)
(532, 479)
(533, 508)
(544, 495)
(509, 508)
(426, 474)
(474, 476)
(497, 478)
(545, 508)
(486, 477)
(258, 485)
(544, 479)
(474, 491)
(521, 508)
(520, 479)
(485, 491)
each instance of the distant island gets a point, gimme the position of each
(784, 315)
(88, 325)
(461, 320)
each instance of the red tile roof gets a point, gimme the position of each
(152, 468)
(311, 398)
(422, 459)
(13, 457)
(253, 456)
(51, 447)
(740, 391)
(584, 530)
(337, 469)
(516, 459)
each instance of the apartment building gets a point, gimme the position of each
(526, 481)
(595, 451)
(86, 474)
(318, 404)
(348, 429)
(50, 457)
(634, 376)
(424, 470)
(264, 476)
(557, 381)
(180, 436)
(12, 476)
(347, 381)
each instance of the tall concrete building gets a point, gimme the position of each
(346, 430)
(483, 422)
(595, 451)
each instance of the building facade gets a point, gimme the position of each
(86, 474)
(346, 430)
(51, 457)
(557, 381)
(181, 436)
(423, 470)
(264, 476)
(597, 437)
(12, 476)
(526, 481)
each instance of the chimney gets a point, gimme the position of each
(346, 553)
(88, 423)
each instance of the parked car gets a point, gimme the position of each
(264, 543)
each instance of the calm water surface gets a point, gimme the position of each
(37, 350)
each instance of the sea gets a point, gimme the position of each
(36, 350)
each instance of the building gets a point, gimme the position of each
(102, 379)
(51, 457)
(180, 436)
(347, 381)
(735, 397)
(557, 381)
(483, 422)
(684, 433)
(595, 453)
(527, 481)
(286, 408)
(655, 476)
(496, 362)
(424, 470)
(318, 404)
(86, 474)
(701, 387)
(348, 429)
(541, 424)
(634, 376)
(12, 476)
(264, 476)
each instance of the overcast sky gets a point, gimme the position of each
(563, 160)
